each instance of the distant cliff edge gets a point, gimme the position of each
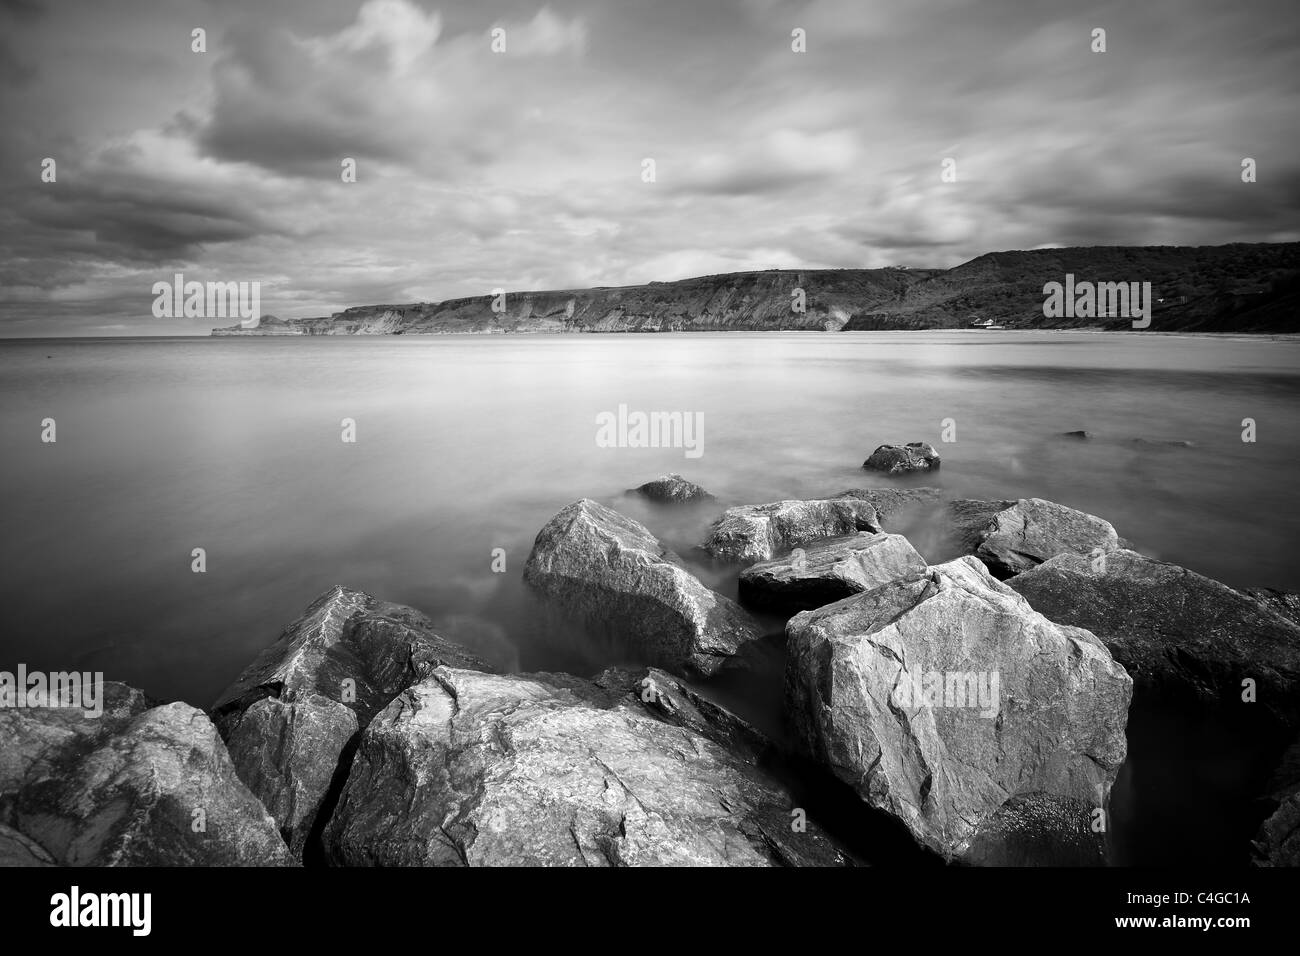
(1232, 288)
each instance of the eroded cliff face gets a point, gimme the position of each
(1237, 288)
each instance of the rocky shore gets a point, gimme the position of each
(978, 706)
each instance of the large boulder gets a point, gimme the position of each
(140, 786)
(672, 488)
(473, 769)
(1011, 537)
(289, 718)
(1177, 632)
(902, 459)
(941, 697)
(828, 570)
(612, 574)
(760, 532)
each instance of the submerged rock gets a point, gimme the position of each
(889, 501)
(970, 520)
(672, 488)
(1025, 533)
(760, 532)
(473, 769)
(1173, 629)
(610, 572)
(829, 570)
(901, 459)
(940, 697)
(290, 716)
(140, 786)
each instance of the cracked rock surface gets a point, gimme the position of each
(290, 716)
(943, 765)
(137, 786)
(474, 769)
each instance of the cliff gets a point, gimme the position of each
(1232, 288)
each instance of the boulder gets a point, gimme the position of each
(902, 459)
(828, 570)
(1027, 532)
(760, 532)
(672, 488)
(611, 573)
(290, 716)
(1175, 631)
(35, 737)
(940, 697)
(474, 769)
(154, 789)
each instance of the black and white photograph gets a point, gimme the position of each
(854, 436)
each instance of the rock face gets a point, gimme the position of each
(472, 769)
(672, 488)
(1285, 603)
(1278, 840)
(760, 532)
(1025, 533)
(289, 717)
(1173, 629)
(18, 850)
(901, 459)
(139, 786)
(829, 570)
(610, 572)
(941, 697)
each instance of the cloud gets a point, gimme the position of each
(522, 169)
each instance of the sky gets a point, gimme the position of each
(525, 168)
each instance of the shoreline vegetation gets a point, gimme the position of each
(972, 712)
(1241, 288)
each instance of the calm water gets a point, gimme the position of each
(466, 444)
